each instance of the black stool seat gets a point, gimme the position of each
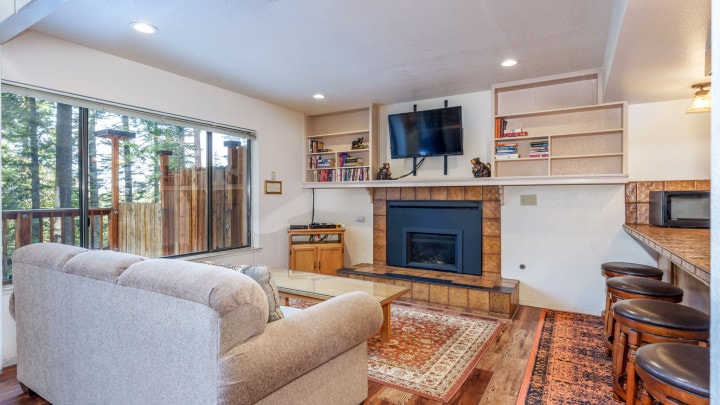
(682, 366)
(645, 286)
(664, 314)
(630, 269)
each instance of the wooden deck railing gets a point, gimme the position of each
(23, 227)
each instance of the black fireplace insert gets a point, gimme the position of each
(435, 235)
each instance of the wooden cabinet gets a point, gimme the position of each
(565, 128)
(317, 250)
(329, 152)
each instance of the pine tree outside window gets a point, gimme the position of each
(114, 178)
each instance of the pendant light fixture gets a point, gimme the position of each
(702, 100)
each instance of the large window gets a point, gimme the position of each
(119, 179)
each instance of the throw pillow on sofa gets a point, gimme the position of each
(263, 276)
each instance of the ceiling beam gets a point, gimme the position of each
(23, 16)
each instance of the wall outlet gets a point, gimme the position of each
(360, 219)
(528, 199)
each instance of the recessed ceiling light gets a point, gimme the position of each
(319, 96)
(509, 62)
(145, 28)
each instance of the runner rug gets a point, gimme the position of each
(431, 351)
(567, 364)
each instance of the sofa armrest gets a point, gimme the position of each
(295, 345)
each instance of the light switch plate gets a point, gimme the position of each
(528, 199)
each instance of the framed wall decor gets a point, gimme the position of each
(273, 187)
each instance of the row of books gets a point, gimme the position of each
(315, 146)
(319, 162)
(502, 131)
(539, 149)
(346, 160)
(352, 174)
(510, 150)
(506, 151)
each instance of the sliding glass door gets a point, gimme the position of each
(111, 180)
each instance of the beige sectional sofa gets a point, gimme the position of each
(106, 327)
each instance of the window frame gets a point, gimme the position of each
(85, 104)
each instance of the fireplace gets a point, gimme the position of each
(435, 235)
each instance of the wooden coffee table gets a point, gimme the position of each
(319, 287)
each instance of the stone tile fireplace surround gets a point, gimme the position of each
(488, 294)
(489, 195)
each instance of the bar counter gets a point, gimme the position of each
(687, 248)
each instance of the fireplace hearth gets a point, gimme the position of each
(435, 235)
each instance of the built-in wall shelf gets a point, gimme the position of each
(330, 156)
(483, 181)
(558, 126)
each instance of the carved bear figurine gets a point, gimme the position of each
(479, 168)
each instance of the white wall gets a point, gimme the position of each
(347, 206)
(562, 241)
(667, 144)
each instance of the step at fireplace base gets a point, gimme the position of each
(473, 294)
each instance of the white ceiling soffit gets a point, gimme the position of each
(661, 51)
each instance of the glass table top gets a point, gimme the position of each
(321, 286)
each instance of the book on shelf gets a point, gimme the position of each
(539, 149)
(339, 175)
(505, 146)
(512, 133)
(506, 151)
(318, 162)
(346, 160)
(500, 125)
(354, 174)
(315, 146)
(324, 175)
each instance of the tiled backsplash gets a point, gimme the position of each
(637, 196)
(489, 195)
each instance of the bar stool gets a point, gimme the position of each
(674, 373)
(639, 322)
(631, 287)
(618, 269)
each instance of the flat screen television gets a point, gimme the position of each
(436, 132)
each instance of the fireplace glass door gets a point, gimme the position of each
(434, 249)
(431, 249)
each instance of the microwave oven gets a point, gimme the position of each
(681, 209)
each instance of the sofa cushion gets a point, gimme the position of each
(104, 265)
(240, 302)
(54, 255)
(263, 276)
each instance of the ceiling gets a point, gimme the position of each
(380, 51)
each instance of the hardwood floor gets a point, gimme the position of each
(495, 380)
(11, 393)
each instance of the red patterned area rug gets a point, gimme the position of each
(567, 364)
(431, 351)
